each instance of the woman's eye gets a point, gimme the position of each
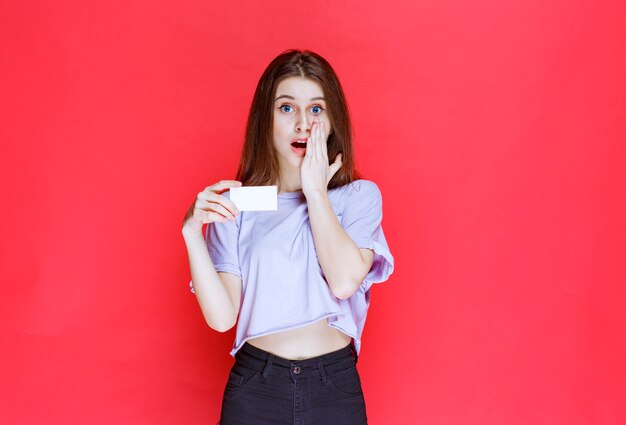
(284, 106)
(317, 109)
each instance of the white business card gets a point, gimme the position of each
(255, 198)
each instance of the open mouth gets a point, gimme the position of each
(297, 144)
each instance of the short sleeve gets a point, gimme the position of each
(222, 243)
(362, 218)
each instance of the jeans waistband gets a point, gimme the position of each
(262, 360)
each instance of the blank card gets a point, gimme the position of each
(255, 198)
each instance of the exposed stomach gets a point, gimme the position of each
(302, 343)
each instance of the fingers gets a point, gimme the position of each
(210, 206)
(209, 196)
(315, 137)
(216, 207)
(209, 212)
(209, 216)
(318, 140)
(310, 146)
(223, 185)
(335, 166)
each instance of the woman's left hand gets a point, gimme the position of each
(315, 173)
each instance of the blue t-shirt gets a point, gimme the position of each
(283, 285)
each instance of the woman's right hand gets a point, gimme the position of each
(209, 206)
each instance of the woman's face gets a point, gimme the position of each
(298, 101)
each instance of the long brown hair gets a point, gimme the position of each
(259, 165)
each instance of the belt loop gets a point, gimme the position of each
(266, 368)
(322, 370)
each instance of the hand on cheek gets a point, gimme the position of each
(315, 173)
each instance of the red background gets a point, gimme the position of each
(495, 131)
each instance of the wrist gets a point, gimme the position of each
(190, 232)
(312, 195)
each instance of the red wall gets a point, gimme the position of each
(495, 131)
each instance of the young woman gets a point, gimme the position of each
(296, 281)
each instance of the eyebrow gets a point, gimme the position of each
(293, 98)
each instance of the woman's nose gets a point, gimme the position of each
(303, 123)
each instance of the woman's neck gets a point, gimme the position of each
(289, 181)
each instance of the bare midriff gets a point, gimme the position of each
(305, 342)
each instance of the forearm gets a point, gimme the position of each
(215, 303)
(338, 255)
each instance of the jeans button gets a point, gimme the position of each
(296, 370)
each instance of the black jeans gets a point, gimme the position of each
(265, 389)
